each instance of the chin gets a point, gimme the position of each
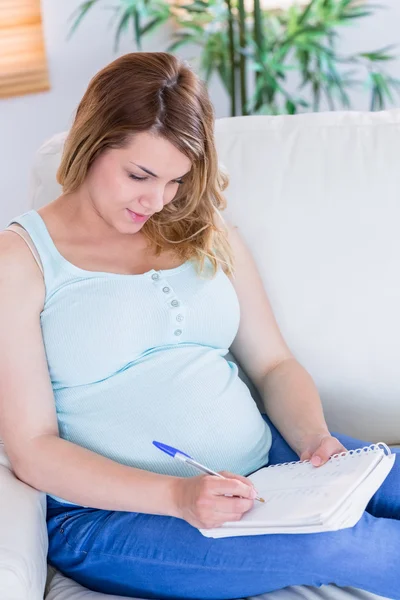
(128, 226)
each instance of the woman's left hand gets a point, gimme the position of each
(319, 448)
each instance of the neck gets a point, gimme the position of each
(79, 214)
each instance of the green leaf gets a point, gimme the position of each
(193, 9)
(357, 14)
(182, 42)
(122, 27)
(306, 12)
(312, 31)
(137, 28)
(208, 72)
(151, 25)
(194, 6)
(379, 55)
(382, 82)
(380, 103)
(291, 108)
(81, 11)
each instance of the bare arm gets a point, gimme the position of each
(59, 467)
(28, 422)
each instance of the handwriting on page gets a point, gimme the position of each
(320, 474)
(285, 494)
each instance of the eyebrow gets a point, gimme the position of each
(153, 174)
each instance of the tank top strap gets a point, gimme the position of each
(19, 230)
(51, 261)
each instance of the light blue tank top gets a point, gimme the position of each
(137, 358)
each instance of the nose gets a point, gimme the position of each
(153, 201)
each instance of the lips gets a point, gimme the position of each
(137, 217)
(138, 214)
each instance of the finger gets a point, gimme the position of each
(317, 460)
(333, 446)
(233, 484)
(328, 447)
(245, 480)
(232, 517)
(232, 505)
(225, 518)
(306, 455)
(230, 475)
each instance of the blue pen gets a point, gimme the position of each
(179, 455)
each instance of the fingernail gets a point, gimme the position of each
(316, 460)
(254, 493)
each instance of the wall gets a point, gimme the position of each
(27, 121)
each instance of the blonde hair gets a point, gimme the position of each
(158, 93)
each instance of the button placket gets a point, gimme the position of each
(177, 310)
(177, 317)
(179, 320)
(178, 313)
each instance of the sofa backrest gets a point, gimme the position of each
(317, 200)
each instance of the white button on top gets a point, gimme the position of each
(174, 303)
(155, 276)
(166, 289)
(178, 331)
(179, 318)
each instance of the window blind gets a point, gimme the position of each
(23, 65)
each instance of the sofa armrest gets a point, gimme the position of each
(23, 536)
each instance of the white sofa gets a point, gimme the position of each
(317, 198)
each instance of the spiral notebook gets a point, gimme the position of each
(301, 498)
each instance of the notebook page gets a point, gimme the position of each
(351, 510)
(300, 493)
(348, 514)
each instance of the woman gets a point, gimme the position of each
(116, 335)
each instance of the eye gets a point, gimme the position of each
(136, 178)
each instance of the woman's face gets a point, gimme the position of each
(128, 185)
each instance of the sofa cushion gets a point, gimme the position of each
(62, 588)
(23, 537)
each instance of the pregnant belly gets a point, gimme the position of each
(190, 398)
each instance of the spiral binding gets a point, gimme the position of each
(341, 455)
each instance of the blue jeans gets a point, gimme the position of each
(153, 556)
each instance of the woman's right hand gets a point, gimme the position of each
(201, 500)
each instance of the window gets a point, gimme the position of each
(23, 66)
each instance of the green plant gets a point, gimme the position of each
(258, 54)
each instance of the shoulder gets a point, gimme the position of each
(233, 233)
(243, 258)
(230, 229)
(18, 269)
(14, 252)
